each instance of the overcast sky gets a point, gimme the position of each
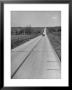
(35, 18)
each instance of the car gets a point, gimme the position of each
(43, 34)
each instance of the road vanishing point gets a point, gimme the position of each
(35, 59)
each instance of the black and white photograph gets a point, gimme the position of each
(35, 44)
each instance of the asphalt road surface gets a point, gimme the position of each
(35, 59)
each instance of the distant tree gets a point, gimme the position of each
(28, 30)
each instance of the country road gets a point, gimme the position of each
(35, 59)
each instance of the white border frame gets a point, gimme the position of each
(64, 8)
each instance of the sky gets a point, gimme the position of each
(35, 18)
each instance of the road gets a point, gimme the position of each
(35, 60)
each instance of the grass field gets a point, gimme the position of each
(17, 40)
(18, 35)
(54, 34)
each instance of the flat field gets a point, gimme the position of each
(20, 35)
(54, 34)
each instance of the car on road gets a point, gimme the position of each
(43, 34)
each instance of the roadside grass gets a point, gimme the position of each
(20, 38)
(17, 40)
(54, 35)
